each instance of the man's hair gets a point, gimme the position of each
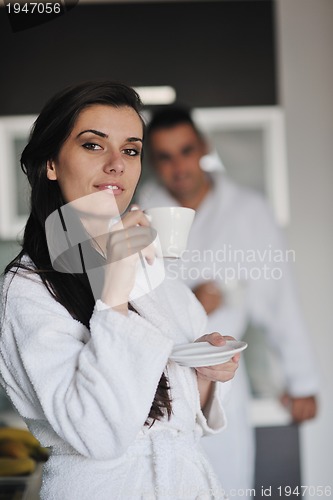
(170, 117)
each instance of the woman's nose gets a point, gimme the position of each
(114, 164)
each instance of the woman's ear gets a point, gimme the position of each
(51, 170)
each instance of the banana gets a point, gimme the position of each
(40, 454)
(20, 435)
(12, 448)
(16, 466)
(20, 443)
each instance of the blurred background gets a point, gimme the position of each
(254, 55)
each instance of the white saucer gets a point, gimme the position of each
(197, 354)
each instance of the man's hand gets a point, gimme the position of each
(209, 295)
(301, 409)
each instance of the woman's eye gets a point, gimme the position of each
(91, 146)
(131, 152)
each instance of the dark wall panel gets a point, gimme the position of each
(213, 53)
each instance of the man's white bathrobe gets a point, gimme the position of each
(232, 238)
(87, 394)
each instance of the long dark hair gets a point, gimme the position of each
(50, 131)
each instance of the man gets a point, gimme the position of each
(237, 266)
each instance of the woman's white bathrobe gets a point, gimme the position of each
(87, 394)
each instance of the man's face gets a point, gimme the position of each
(175, 154)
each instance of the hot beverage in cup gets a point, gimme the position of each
(173, 226)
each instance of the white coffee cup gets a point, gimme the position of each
(173, 225)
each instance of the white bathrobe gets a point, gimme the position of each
(229, 219)
(86, 394)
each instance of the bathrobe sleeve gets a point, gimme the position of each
(94, 389)
(212, 419)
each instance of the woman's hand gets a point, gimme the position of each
(224, 371)
(128, 237)
(217, 373)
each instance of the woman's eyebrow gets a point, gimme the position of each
(105, 136)
(96, 132)
(134, 139)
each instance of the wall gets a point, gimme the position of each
(305, 42)
(213, 53)
(8, 250)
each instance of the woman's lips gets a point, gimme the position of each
(113, 188)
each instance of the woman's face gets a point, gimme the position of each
(101, 157)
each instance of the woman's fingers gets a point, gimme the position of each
(131, 218)
(126, 242)
(224, 371)
(132, 234)
(219, 373)
(214, 338)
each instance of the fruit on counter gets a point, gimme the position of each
(19, 451)
(12, 448)
(16, 466)
(22, 435)
(39, 454)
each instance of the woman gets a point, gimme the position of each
(88, 369)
